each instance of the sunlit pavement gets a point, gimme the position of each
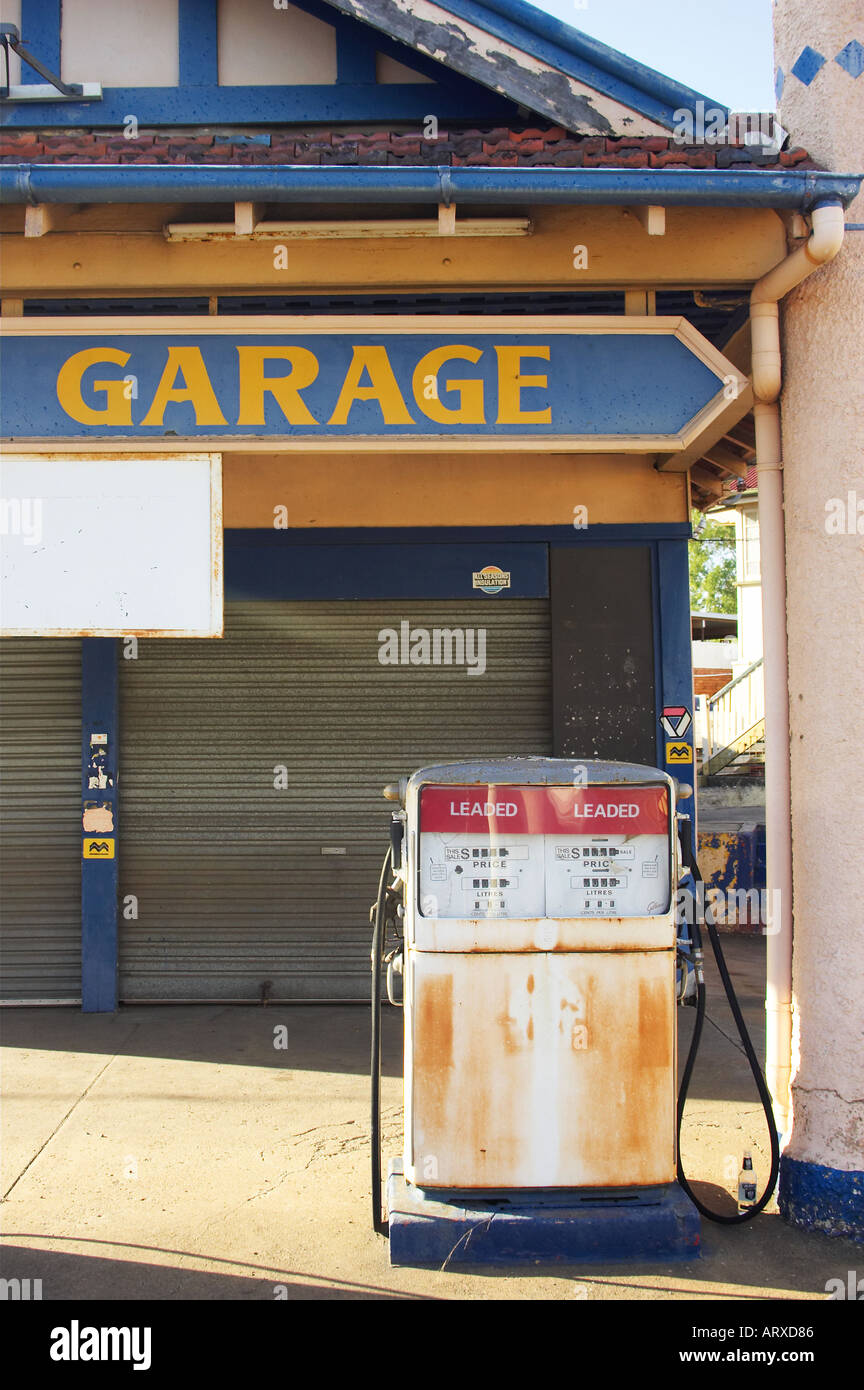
(173, 1152)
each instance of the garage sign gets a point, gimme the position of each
(604, 383)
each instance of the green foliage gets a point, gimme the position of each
(712, 567)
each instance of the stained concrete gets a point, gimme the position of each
(174, 1153)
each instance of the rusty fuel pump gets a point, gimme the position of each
(530, 906)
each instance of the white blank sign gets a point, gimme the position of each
(111, 546)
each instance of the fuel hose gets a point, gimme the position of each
(761, 1085)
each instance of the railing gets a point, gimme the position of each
(734, 709)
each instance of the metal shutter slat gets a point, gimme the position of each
(40, 819)
(232, 888)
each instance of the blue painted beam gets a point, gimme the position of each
(394, 570)
(355, 56)
(675, 685)
(486, 187)
(198, 41)
(40, 32)
(99, 874)
(312, 105)
(614, 72)
(528, 29)
(457, 535)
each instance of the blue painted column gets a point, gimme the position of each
(198, 41)
(40, 32)
(100, 728)
(674, 664)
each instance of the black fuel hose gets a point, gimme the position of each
(378, 1222)
(761, 1085)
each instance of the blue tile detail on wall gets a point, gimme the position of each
(808, 65)
(852, 58)
(779, 83)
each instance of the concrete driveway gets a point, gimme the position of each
(175, 1153)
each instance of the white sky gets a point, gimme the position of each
(723, 48)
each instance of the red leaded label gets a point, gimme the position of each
(477, 810)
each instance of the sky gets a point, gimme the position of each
(723, 48)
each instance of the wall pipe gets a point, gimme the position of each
(825, 241)
(481, 187)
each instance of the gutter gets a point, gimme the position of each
(799, 190)
(825, 241)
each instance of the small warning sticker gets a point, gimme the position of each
(676, 720)
(679, 753)
(99, 848)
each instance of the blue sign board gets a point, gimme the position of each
(286, 381)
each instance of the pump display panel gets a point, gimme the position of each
(541, 851)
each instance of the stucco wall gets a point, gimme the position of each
(450, 490)
(823, 432)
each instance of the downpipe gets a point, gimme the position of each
(825, 241)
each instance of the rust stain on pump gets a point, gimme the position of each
(655, 1038)
(435, 1023)
(471, 1079)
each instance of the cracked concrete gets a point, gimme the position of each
(176, 1153)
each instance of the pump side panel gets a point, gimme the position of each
(541, 1070)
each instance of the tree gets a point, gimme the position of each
(712, 567)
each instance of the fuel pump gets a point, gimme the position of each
(529, 906)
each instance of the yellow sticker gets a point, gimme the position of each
(679, 753)
(99, 848)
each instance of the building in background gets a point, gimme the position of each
(731, 716)
(715, 650)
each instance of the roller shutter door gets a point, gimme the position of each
(40, 819)
(227, 870)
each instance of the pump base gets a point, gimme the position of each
(648, 1225)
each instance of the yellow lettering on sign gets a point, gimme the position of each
(195, 387)
(285, 390)
(118, 407)
(383, 387)
(470, 408)
(511, 383)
